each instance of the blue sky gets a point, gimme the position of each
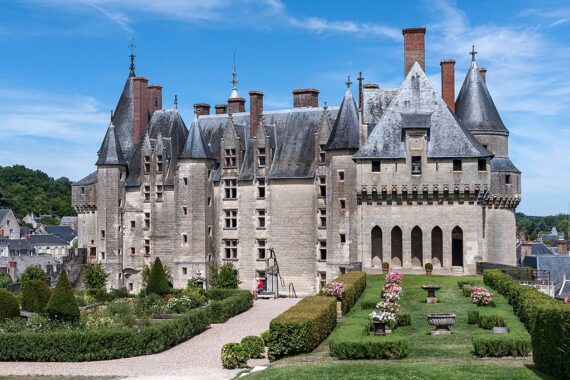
(63, 64)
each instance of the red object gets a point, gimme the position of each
(260, 283)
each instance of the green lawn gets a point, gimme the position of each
(430, 357)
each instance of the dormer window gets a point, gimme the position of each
(147, 193)
(261, 157)
(508, 179)
(416, 165)
(159, 163)
(376, 166)
(146, 165)
(456, 165)
(230, 189)
(230, 160)
(322, 155)
(482, 165)
(159, 189)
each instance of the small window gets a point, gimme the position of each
(260, 218)
(120, 203)
(342, 204)
(133, 251)
(261, 247)
(185, 210)
(261, 188)
(120, 252)
(130, 286)
(341, 175)
(322, 187)
(184, 270)
(322, 280)
(322, 250)
(342, 270)
(322, 155)
(416, 165)
(82, 190)
(456, 165)
(121, 176)
(508, 179)
(184, 238)
(343, 238)
(146, 220)
(146, 164)
(133, 224)
(159, 189)
(146, 247)
(375, 166)
(230, 189)
(230, 160)
(209, 230)
(261, 157)
(185, 181)
(147, 193)
(322, 218)
(159, 163)
(230, 249)
(482, 165)
(230, 217)
(102, 255)
(209, 201)
(102, 234)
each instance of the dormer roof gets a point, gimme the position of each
(110, 152)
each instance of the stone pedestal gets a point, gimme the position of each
(431, 300)
(440, 332)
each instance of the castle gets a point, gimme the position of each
(405, 175)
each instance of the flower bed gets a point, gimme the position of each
(354, 285)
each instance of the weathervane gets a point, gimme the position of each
(348, 82)
(132, 46)
(234, 94)
(473, 53)
(175, 102)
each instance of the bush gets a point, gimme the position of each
(354, 285)
(499, 345)
(9, 307)
(472, 317)
(62, 305)
(462, 283)
(158, 282)
(487, 322)
(234, 355)
(147, 305)
(119, 293)
(34, 272)
(224, 276)
(5, 280)
(94, 276)
(550, 343)
(265, 336)
(254, 346)
(404, 319)
(428, 266)
(224, 309)
(99, 295)
(385, 265)
(302, 327)
(387, 347)
(35, 296)
(467, 290)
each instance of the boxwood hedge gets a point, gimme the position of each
(355, 283)
(499, 345)
(387, 347)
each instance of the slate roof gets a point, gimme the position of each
(65, 233)
(195, 146)
(19, 245)
(3, 213)
(562, 289)
(22, 262)
(447, 137)
(375, 101)
(123, 117)
(503, 164)
(474, 105)
(556, 265)
(46, 239)
(110, 152)
(346, 129)
(89, 180)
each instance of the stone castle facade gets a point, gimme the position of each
(405, 175)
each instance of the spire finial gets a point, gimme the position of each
(234, 93)
(348, 82)
(175, 102)
(326, 107)
(473, 53)
(360, 80)
(132, 46)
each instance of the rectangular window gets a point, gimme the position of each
(261, 188)
(146, 220)
(133, 224)
(230, 249)
(343, 238)
(322, 187)
(209, 201)
(185, 181)
(322, 280)
(146, 247)
(102, 255)
(184, 238)
(261, 157)
(508, 179)
(342, 270)
(209, 230)
(147, 193)
(159, 163)
(375, 166)
(146, 164)
(130, 286)
(260, 218)
(230, 160)
(102, 234)
(120, 203)
(185, 210)
(342, 204)
(322, 250)
(341, 175)
(230, 188)
(184, 270)
(322, 155)
(159, 189)
(261, 246)
(82, 190)
(482, 165)
(133, 251)
(416, 165)
(322, 218)
(230, 217)
(456, 165)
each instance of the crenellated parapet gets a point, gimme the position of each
(508, 201)
(420, 194)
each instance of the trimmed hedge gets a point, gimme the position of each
(254, 346)
(355, 283)
(386, 347)
(9, 307)
(499, 345)
(302, 327)
(487, 322)
(35, 296)
(236, 302)
(113, 342)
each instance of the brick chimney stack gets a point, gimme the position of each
(202, 109)
(236, 105)
(13, 270)
(414, 48)
(305, 97)
(255, 110)
(141, 108)
(154, 98)
(483, 72)
(221, 108)
(448, 82)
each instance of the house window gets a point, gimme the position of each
(261, 247)
(322, 250)
(230, 217)
(102, 234)
(209, 201)
(184, 270)
(102, 255)
(230, 160)
(209, 173)
(342, 204)
(146, 220)
(261, 188)
(341, 175)
(322, 187)
(184, 238)
(133, 224)
(508, 179)
(119, 252)
(260, 218)
(130, 286)
(322, 276)
(416, 165)
(82, 190)
(322, 155)
(185, 210)
(133, 251)
(375, 166)
(482, 165)
(185, 181)
(230, 249)
(456, 165)
(159, 163)
(147, 193)
(209, 230)
(261, 157)
(230, 188)
(146, 164)
(322, 218)
(343, 238)
(120, 203)
(146, 247)
(121, 176)
(159, 189)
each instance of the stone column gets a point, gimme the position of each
(446, 247)
(406, 248)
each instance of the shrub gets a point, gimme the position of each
(404, 319)
(119, 293)
(499, 345)
(224, 276)
(428, 266)
(302, 327)
(354, 285)
(265, 336)
(8, 306)
(472, 317)
(467, 290)
(34, 272)
(550, 343)
(99, 295)
(149, 304)
(94, 276)
(462, 283)
(254, 346)
(62, 305)
(5, 280)
(389, 347)
(222, 310)
(385, 265)
(146, 273)
(335, 289)
(487, 322)
(234, 355)
(157, 281)
(481, 296)
(35, 296)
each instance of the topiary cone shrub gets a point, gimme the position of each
(9, 307)
(35, 296)
(62, 304)
(157, 282)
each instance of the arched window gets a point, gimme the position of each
(417, 247)
(457, 247)
(437, 246)
(396, 240)
(376, 247)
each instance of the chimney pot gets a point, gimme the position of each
(371, 85)
(255, 110)
(202, 109)
(305, 97)
(221, 108)
(141, 111)
(236, 105)
(448, 82)
(414, 48)
(483, 72)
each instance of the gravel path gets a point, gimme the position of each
(197, 358)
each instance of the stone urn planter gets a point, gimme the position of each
(431, 289)
(441, 321)
(379, 328)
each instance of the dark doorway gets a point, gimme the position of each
(457, 247)
(396, 247)
(417, 247)
(437, 246)
(376, 242)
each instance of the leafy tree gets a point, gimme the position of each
(35, 296)
(224, 276)
(9, 307)
(146, 273)
(5, 280)
(157, 281)
(34, 272)
(94, 276)
(62, 304)
(50, 220)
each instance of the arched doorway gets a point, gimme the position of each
(437, 246)
(376, 247)
(417, 247)
(457, 247)
(396, 240)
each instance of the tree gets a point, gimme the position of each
(34, 272)
(157, 281)
(94, 276)
(62, 304)
(146, 273)
(8, 306)
(5, 280)
(35, 296)
(224, 277)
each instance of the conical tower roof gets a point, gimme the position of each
(195, 146)
(345, 132)
(110, 152)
